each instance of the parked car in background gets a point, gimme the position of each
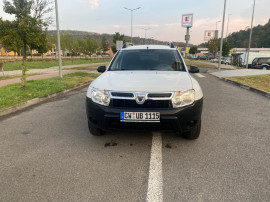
(202, 57)
(261, 63)
(216, 59)
(227, 61)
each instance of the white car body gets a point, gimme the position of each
(147, 81)
(148, 85)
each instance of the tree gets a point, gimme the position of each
(104, 44)
(92, 45)
(225, 49)
(41, 10)
(193, 50)
(118, 37)
(113, 47)
(213, 46)
(22, 32)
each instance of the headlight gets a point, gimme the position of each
(98, 96)
(183, 98)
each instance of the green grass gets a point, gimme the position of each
(199, 63)
(12, 95)
(261, 82)
(15, 76)
(10, 66)
(88, 67)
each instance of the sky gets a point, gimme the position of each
(163, 17)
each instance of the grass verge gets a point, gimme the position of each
(199, 64)
(261, 82)
(15, 76)
(87, 67)
(11, 66)
(12, 95)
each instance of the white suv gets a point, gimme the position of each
(145, 87)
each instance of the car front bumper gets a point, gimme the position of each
(180, 119)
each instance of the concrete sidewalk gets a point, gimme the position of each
(240, 72)
(55, 69)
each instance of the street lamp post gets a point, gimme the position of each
(131, 10)
(221, 40)
(216, 32)
(217, 23)
(228, 26)
(250, 35)
(58, 40)
(145, 29)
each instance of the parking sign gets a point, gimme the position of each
(187, 20)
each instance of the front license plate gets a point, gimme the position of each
(140, 116)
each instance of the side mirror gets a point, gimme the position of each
(194, 69)
(101, 69)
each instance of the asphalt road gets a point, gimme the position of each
(47, 154)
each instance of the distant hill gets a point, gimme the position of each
(260, 37)
(98, 37)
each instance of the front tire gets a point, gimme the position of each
(94, 130)
(264, 68)
(194, 133)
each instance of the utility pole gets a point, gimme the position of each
(58, 41)
(145, 29)
(131, 10)
(221, 40)
(216, 32)
(250, 34)
(228, 26)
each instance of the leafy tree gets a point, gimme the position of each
(104, 44)
(118, 37)
(193, 50)
(113, 47)
(213, 46)
(225, 49)
(93, 45)
(260, 37)
(41, 10)
(22, 32)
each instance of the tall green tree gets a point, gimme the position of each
(225, 49)
(213, 46)
(118, 37)
(22, 32)
(193, 50)
(104, 44)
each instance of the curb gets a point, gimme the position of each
(261, 92)
(36, 101)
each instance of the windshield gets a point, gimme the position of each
(140, 60)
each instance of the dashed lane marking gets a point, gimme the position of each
(155, 181)
(200, 75)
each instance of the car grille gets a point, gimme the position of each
(123, 103)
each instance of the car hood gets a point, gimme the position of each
(144, 81)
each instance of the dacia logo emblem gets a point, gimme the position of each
(140, 98)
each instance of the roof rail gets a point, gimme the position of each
(127, 44)
(171, 44)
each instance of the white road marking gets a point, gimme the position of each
(200, 75)
(155, 181)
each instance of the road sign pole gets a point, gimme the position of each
(221, 40)
(187, 40)
(58, 40)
